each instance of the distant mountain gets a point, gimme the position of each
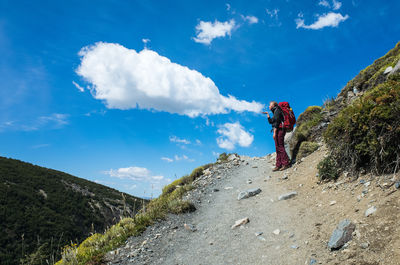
(42, 210)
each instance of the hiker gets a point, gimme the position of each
(282, 159)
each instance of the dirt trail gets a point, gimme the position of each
(305, 222)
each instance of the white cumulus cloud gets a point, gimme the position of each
(207, 31)
(133, 173)
(233, 134)
(125, 79)
(326, 20)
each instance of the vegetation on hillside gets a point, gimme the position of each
(373, 75)
(361, 126)
(366, 134)
(41, 210)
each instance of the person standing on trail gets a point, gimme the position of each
(282, 159)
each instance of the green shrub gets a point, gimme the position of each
(306, 148)
(223, 158)
(307, 120)
(327, 169)
(185, 180)
(366, 134)
(180, 206)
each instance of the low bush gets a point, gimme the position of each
(366, 134)
(306, 148)
(327, 169)
(308, 119)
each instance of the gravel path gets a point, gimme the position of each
(274, 235)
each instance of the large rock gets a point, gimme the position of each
(233, 157)
(287, 195)
(342, 234)
(248, 193)
(287, 140)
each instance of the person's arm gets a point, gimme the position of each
(270, 120)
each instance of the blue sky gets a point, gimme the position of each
(133, 94)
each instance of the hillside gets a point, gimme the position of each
(295, 229)
(346, 157)
(42, 210)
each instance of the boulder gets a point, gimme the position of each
(233, 157)
(342, 234)
(248, 193)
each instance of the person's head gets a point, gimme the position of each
(272, 104)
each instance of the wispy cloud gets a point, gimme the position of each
(336, 5)
(81, 89)
(326, 20)
(52, 121)
(233, 134)
(177, 158)
(175, 139)
(147, 80)
(93, 112)
(207, 31)
(40, 146)
(250, 19)
(183, 157)
(324, 3)
(56, 119)
(169, 160)
(273, 17)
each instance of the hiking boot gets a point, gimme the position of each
(276, 169)
(284, 167)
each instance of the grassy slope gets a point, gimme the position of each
(93, 249)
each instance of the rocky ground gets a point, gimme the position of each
(281, 218)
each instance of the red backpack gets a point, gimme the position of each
(290, 119)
